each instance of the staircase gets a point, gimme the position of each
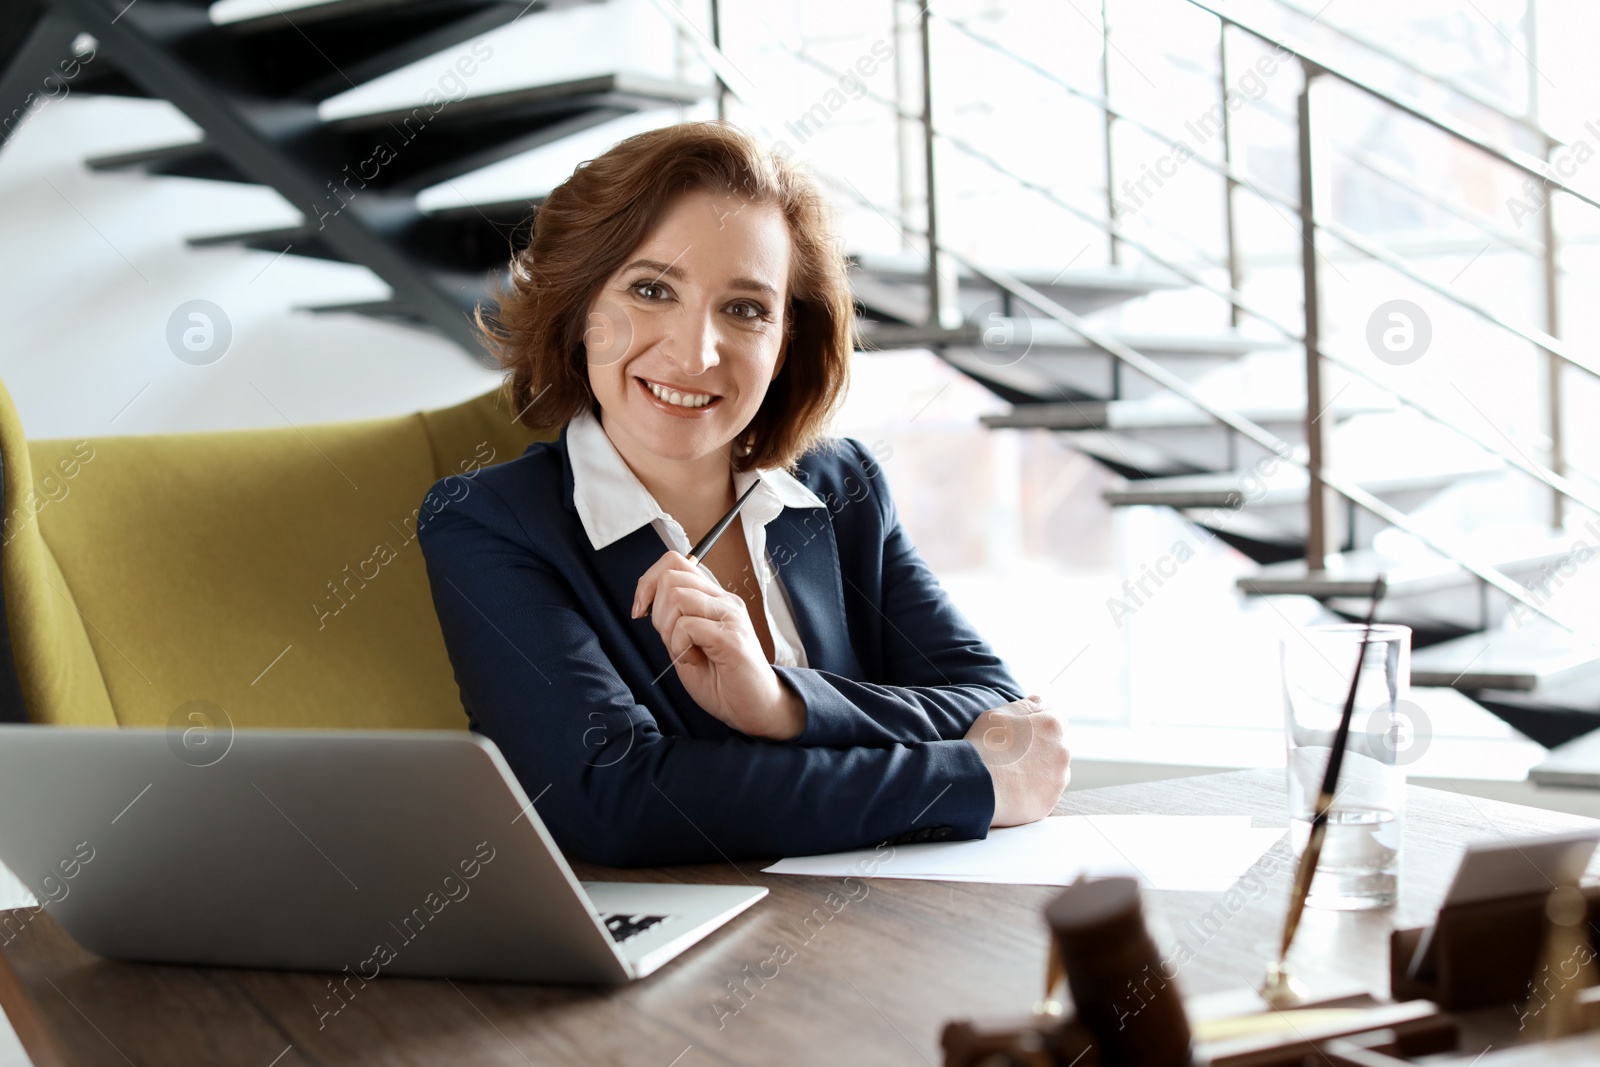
(1252, 468)
(256, 87)
(1480, 622)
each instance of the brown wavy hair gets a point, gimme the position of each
(589, 225)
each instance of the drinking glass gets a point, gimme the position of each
(1360, 862)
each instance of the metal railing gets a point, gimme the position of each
(1557, 355)
(1235, 300)
(1321, 478)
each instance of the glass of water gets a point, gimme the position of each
(1360, 862)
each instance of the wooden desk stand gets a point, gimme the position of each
(1483, 953)
(1380, 1036)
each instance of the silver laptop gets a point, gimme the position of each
(364, 852)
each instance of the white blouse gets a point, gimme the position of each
(613, 503)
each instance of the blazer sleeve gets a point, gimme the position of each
(611, 787)
(937, 673)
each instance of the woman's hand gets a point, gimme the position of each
(1024, 745)
(714, 647)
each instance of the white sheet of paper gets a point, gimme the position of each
(1182, 852)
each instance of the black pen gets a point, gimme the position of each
(1279, 987)
(715, 532)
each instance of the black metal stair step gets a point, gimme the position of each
(1287, 485)
(1553, 715)
(1574, 760)
(385, 310)
(471, 239)
(300, 240)
(1133, 416)
(1054, 364)
(1437, 599)
(635, 92)
(893, 286)
(1162, 437)
(187, 159)
(312, 52)
(102, 79)
(500, 210)
(1534, 655)
(1011, 336)
(1351, 574)
(259, 18)
(1131, 457)
(464, 291)
(414, 147)
(396, 312)
(460, 250)
(1264, 515)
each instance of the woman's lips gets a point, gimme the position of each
(674, 409)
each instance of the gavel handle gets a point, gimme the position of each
(1055, 972)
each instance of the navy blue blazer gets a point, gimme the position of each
(625, 768)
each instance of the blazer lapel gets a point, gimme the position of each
(806, 557)
(801, 544)
(621, 563)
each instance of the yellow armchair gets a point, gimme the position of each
(273, 573)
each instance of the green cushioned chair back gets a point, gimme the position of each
(273, 573)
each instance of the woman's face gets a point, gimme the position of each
(698, 309)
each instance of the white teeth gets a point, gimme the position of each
(682, 400)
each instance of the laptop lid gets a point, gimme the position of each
(365, 852)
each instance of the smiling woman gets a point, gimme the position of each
(682, 314)
(626, 230)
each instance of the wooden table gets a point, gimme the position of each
(871, 981)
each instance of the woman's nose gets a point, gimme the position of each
(694, 347)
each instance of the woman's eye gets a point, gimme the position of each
(746, 310)
(639, 288)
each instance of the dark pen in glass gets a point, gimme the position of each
(1280, 989)
(700, 549)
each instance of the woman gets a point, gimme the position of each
(682, 313)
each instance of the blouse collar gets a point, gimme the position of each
(613, 503)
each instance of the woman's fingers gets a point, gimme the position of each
(648, 588)
(697, 631)
(697, 619)
(675, 602)
(644, 590)
(674, 583)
